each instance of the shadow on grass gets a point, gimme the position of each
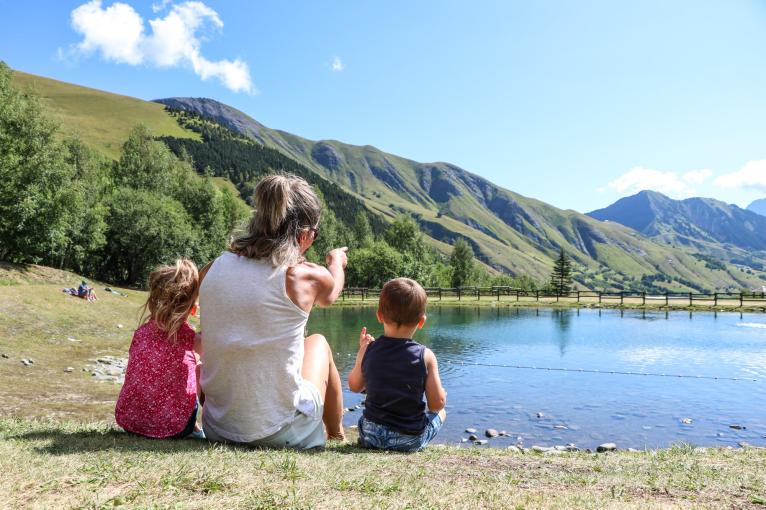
(62, 442)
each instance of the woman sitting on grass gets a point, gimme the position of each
(265, 384)
(159, 397)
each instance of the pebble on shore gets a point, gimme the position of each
(606, 447)
(491, 433)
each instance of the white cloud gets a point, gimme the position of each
(752, 175)
(337, 64)
(669, 183)
(160, 6)
(117, 33)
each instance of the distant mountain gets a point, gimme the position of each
(507, 231)
(696, 222)
(758, 207)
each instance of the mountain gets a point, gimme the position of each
(696, 222)
(758, 207)
(508, 231)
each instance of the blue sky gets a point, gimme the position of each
(573, 103)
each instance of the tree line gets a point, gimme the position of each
(66, 206)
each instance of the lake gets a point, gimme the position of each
(555, 408)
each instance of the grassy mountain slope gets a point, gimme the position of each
(507, 231)
(101, 119)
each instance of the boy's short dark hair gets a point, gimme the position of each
(402, 302)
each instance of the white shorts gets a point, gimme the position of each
(305, 431)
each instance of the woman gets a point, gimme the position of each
(264, 383)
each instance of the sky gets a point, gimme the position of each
(573, 103)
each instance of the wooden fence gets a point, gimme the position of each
(580, 296)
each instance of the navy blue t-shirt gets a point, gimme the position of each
(394, 374)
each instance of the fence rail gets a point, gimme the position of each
(580, 296)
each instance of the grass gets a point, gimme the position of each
(59, 447)
(92, 465)
(100, 119)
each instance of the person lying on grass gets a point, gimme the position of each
(159, 396)
(396, 372)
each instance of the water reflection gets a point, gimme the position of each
(633, 411)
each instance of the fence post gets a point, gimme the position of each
(458, 293)
(691, 299)
(578, 296)
(478, 294)
(343, 295)
(537, 295)
(666, 299)
(498, 294)
(363, 289)
(643, 298)
(557, 296)
(517, 295)
(440, 293)
(741, 300)
(715, 299)
(599, 297)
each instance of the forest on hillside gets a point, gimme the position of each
(117, 220)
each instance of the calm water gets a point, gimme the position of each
(632, 411)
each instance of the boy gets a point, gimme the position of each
(396, 372)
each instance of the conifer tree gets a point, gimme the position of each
(461, 262)
(561, 277)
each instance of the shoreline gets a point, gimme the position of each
(563, 305)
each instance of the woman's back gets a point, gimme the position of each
(253, 341)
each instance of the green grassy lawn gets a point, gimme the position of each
(59, 447)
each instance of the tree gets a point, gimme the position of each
(145, 229)
(362, 231)
(561, 277)
(33, 178)
(374, 266)
(461, 262)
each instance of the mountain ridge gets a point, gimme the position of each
(758, 206)
(508, 231)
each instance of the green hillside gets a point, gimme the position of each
(101, 119)
(507, 231)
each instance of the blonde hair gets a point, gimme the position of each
(172, 293)
(285, 205)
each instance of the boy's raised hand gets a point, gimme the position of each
(364, 338)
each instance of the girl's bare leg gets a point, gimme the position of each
(319, 368)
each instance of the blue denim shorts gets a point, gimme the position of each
(373, 435)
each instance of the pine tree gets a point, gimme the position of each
(561, 277)
(461, 262)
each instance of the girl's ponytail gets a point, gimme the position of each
(173, 291)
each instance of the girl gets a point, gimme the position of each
(159, 397)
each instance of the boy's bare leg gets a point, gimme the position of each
(319, 368)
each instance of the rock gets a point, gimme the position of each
(554, 452)
(353, 427)
(686, 421)
(588, 450)
(491, 433)
(464, 440)
(503, 433)
(561, 427)
(470, 430)
(606, 447)
(350, 409)
(120, 326)
(4, 355)
(69, 369)
(71, 339)
(560, 448)
(473, 437)
(540, 449)
(540, 415)
(572, 448)
(480, 442)
(744, 444)
(633, 450)
(737, 427)
(514, 449)
(26, 362)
